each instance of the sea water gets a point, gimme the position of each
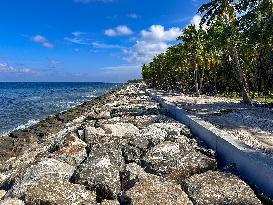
(24, 104)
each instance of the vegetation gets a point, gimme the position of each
(232, 51)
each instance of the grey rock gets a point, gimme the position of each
(11, 201)
(71, 150)
(217, 188)
(176, 161)
(54, 190)
(119, 129)
(149, 191)
(46, 167)
(101, 171)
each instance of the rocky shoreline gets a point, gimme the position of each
(120, 148)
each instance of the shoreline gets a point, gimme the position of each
(29, 102)
(106, 150)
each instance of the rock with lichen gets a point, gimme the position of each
(176, 162)
(101, 171)
(54, 190)
(47, 167)
(217, 188)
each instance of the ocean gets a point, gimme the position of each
(24, 104)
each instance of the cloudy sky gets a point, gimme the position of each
(87, 40)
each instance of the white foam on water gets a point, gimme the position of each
(23, 126)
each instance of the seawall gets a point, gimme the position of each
(252, 165)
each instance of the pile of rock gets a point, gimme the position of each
(122, 149)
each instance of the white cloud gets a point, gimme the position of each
(152, 42)
(196, 20)
(157, 33)
(6, 68)
(53, 63)
(78, 33)
(90, 1)
(78, 37)
(133, 16)
(104, 45)
(41, 39)
(121, 30)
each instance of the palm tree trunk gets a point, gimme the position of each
(242, 77)
(195, 68)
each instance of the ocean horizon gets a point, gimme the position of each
(25, 103)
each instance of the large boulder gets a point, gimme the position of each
(140, 187)
(101, 171)
(119, 129)
(176, 161)
(54, 190)
(71, 150)
(46, 167)
(138, 144)
(217, 188)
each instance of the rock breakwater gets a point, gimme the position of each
(120, 148)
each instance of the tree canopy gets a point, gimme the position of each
(231, 51)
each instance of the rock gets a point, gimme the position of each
(119, 129)
(147, 192)
(2, 193)
(215, 188)
(109, 202)
(101, 171)
(176, 162)
(54, 190)
(132, 174)
(46, 167)
(173, 129)
(11, 201)
(72, 150)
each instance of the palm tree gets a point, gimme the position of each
(226, 10)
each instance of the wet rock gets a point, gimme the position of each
(176, 161)
(215, 188)
(11, 201)
(119, 129)
(101, 171)
(2, 194)
(72, 150)
(54, 190)
(46, 167)
(148, 191)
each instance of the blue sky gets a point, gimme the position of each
(87, 40)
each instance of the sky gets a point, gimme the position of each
(87, 40)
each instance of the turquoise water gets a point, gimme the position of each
(24, 104)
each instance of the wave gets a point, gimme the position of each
(22, 126)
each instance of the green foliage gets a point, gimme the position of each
(233, 54)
